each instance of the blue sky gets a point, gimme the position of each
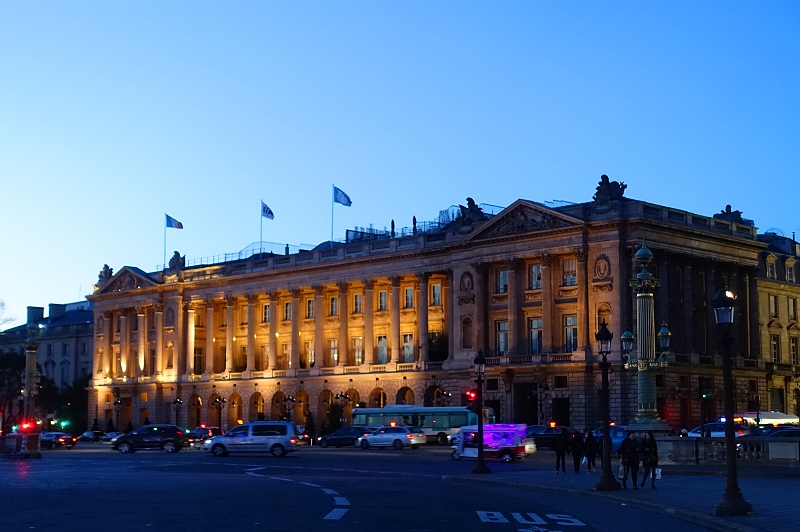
(112, 114)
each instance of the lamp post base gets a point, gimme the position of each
(481, 469)
(733, 503)
(607, 482)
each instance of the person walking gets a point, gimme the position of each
(629, 457)
(590, 451)
(577, 450)
(561, 446)
(649, 459)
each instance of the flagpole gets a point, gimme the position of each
(261, 231)
(165, 243)
(333, 195)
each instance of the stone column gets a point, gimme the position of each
(686, 307)
(582, 278)
(319, 326)
(273, 330)
(141, 340)
(752, 315)
(108, 343)
(449, 295)
(230, 307)
(481, 298)
(209, 340)
(422, 315)
(663, 290)
(369, 309)
(343, 319)
(711, 322)
(394, 337)
(122, 366)
(294, 361)
(179, 347)
(252, 299)
(159, 313)
(190, 336)
(513, 306)
(635, 270)
(547, 303)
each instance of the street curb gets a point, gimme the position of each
(740, 474)
(684, 515)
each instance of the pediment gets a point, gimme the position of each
(125, 280)
(524, 216)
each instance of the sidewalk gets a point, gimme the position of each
(688, 497)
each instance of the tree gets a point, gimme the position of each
(11, 368)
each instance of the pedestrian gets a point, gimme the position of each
(649, 458)
(590, 451)
(629, 457)
(561, 446)
(577, 450)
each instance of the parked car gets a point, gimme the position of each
(203, 432)
(64, 440)
(345, 436)
(618, 434)
(397, 437)
(193, 440)
(170, 438)
(546, 438)
(109, 436)
(275, 437)
(90, 436)
(718, 430)
(532, 430)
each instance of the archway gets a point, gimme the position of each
(234, 410)
(355, 398)
(324, 404)
(255, 411)
(301, 407)
(213, 414)
(276, 405)
(435, 396)
(405, 396)
(377, 398)
(195, 413)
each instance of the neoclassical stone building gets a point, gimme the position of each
(399, 317)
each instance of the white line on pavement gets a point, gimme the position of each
(336, 513)
(329, 491)
(341, 501)
(310, 484)
(279, 478)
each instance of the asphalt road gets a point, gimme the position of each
(93, 488)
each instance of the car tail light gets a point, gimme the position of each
(179, 432)
(740, 432)
(293, 441)
(409, 436)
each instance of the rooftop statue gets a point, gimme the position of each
(105, 274)
(609, 190)
(177, 262)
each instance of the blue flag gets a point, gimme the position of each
(172, 222)
(340, 197)
(266, 212)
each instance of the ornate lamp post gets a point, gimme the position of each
(288, 406)
(31, 437)
(219, 404)
(480, 367)
(177, 403)
(733, 502)
(607, 481)
(343, 400)
(117, 408)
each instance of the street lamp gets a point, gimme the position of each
(219, 404)
(480, 367)
(733, 502)
(288, 406)
(177, 403)
(343, 400)
(603, 337)
(117, 408)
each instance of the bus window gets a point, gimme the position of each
(375, 420)
(360, 419)
(458, 419)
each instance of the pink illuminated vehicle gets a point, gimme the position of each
(503, 441)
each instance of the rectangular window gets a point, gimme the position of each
(408, 348)
(502, 282)
(793, 349)
(333, 346)
(310, 353)
(535, 277)
(309, 308)
(436, 295)
(65, 350)
(286, 355)
(502, 337)
(535, 335)
(773, 306)
(83, 348)
(382, 349)
(792, 308)
(775, 347)
(334, 307)
(770, 270)
(287, 311)
(382, 301)
(790, 273)
(560, 382)
(243, 315)
(358, 350)
(198, 360)
(135, 324)
(570, 275)
(49, 350)
(265, 314)
(570, 333)
(152, 361)
(409, 298)
(358, 300)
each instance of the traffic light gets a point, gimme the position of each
(705, 387)
(471, 396)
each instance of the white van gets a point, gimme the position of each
(274, 437)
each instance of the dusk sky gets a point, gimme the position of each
(115, 113)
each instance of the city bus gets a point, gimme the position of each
(437, 422)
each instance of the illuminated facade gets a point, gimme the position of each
(398, 318)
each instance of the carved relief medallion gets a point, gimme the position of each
(169, 319)
(99, 325)
(602, 267)
(465, 285)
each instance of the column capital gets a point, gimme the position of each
(230, 301)
(479, 267)
(158, 307)
(581, 253)
(423, 276)
(319, 290)
(512, 263)
(369, 284)
(252, 299)
(296, 293)
(140, 309)
(273, 296)
(342, 286)
(546, 258)
(395, 280)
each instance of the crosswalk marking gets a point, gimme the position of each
(341, 501)
(328, 491)
(336, 513)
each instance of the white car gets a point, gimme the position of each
(274, 437)
(397, 437)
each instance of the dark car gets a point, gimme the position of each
(170, 438)
(54, 440)
(90, 436)
(546, 438)
(344, 436)
(204, 432)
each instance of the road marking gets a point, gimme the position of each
(492, 517)
(329, 491)
(255, 469)
(284, 479)
(533, 519)
(341, 501)
(336, 513)
(253, 473)
(310, 484)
